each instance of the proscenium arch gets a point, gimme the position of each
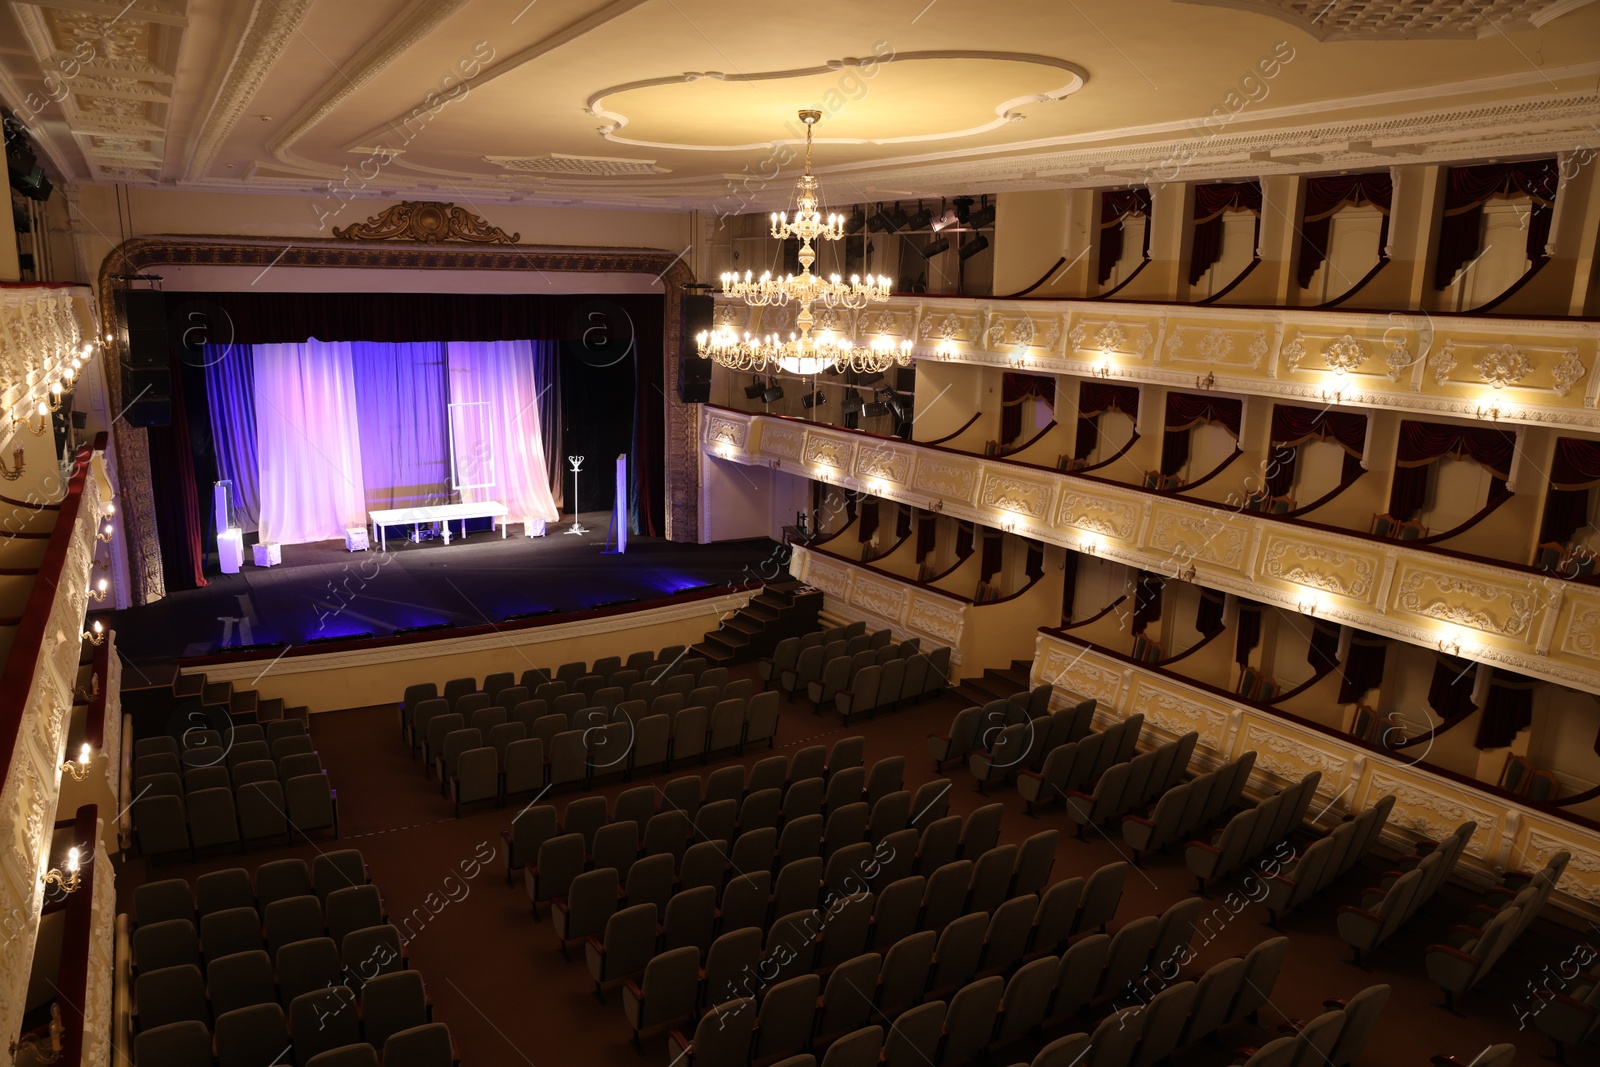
(135, 497)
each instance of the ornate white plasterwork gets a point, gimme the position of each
(1583, 631)
(1319, 567)
(272, 25)
(1178, 715)
(1345, 355)
(1193, 537)
(1405, 20)
(1015, 494)
(1503, 366)
(1076, 674)
(879, 598)
(1481, 605)
(1567, 372)
(1443, 362)
(883, 462)
(941, 621)
(723, 431)
(827, 451)
(1289, 757)
(945, 477)
(780, 440)
(1098, 515)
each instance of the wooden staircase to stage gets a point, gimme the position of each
(996, 683)
(162, 697)
(782, 609)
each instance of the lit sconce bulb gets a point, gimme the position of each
(44, 410)
(55, 388)
(111, 509)
(67, 373)
(72, 857)
(83, 753)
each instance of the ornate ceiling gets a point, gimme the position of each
(672, 104)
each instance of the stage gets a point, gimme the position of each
(322, 591)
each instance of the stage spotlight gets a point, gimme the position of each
(364, 635)
(897, 408)
(854, 223)
(773, 393)
(870, 379)
(874, 409)
(813, 399)
(851, 402)
(963, 209)
(949, 218)
(754, 390)
(973, 247)
(982, 218)
(899, 218)
(879, 222)
(432, 626)
(932, 248)
(921, 220)
(614, 603)
(529, 614)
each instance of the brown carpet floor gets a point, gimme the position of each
(497, 979)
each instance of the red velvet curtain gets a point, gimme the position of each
(1208, 617)
(1069, 586)
(1146, 600)
(1469, 188)
(1323, 651)
(902, 522)
(1324, 197)
(1015, 389)
(1249, 627)
(963, 540)
(1576, 464)
(1033, 566)
(176, 490)
(1450, 694)
(1507, 709)
(1565, 512)
(1117, 206)
(927, 533)
(1184, 410)
(1094, 399)
(993, 553)
(1210, 201)
(1363, 667)
(869, 519)
(1293, 426)
(1424, 443)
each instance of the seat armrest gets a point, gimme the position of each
(1140, 819)
(1351, 909)
(594, 942)
(633, 987)
(1205, 847)
(1454, 953)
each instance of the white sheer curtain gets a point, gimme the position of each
(308, 442)
(500, 373)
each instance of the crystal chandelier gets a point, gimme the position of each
(801, 353)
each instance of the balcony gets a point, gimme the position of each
(1507, 615)
(41, 333)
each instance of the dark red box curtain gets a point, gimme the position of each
(1184, 411)
(1210, 202)
(1015, 389)
(993, 553)
(1467, 189)
(1574, 471)
(1094, 400)
(1425, 443)
(1249, 627)
(1116, 207)
(1292, 426)
(1147, 600)
(1324, 197)
(1363, 668)
(927, 533)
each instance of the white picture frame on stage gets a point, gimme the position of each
(471, 445)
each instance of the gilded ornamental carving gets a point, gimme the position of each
(428, 221)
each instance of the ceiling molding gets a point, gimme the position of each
(1404, 20)
(415, 24)
(1005, 110)
(272, 24)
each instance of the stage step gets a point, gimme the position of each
(186, 686)
(269, 709)
(994, 684)
(244, 702)
(303, 713)
(217, 695)
(718, 654)
(784, 608)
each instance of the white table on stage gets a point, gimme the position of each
(441, 513)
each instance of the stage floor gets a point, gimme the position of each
(320, 590)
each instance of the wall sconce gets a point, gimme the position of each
(54, 397)
(1308, 607)
(1102, 368)
(44, 1048)
(1206, 381)
(1333, 396)
(105, 534)
(98, 593)
(78, 768)
(1089, 546)
(1490, 411)
(95, 635)
(1451, 645)
(67, 881)
(43, 414)
(1186, 574)
(936, 506)
(18, 462)
(1009, 526)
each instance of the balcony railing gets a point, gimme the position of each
(36, 699)
(1429, 802)
(40, 333)
(1520, 370)
(1508, 615)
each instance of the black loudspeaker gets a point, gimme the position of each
(147, 396)
(694, 373)
(143, 315)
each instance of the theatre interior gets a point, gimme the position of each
(910, 534)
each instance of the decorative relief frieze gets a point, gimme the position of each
(946, 477)
(780, 440)
(1015, 494)
(881, 461)
(724, 432)
(939, 620)
(1491, 607)
(827, 451)
(1345, 356)
(1503, 366)
(1178, 715)
(1098, 515)
(881, 599)
(1193, 537)
(1319, 567)
(1583, 631)
(1289, 757)
(1567, 372)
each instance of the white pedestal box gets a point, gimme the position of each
(230, 550)
(355, 539)
(268, 555)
